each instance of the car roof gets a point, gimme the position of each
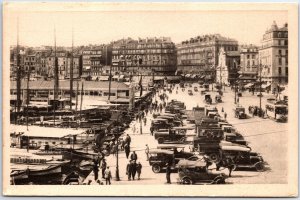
(161, 151)
(161, 146)
(189, 163)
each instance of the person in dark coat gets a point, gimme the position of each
(139, 170)
(127, 150)
(95, 170)
(103, 167)
(168, 173)
(129, 170)
(133, 156)
(133, 168)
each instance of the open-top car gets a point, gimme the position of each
(191, 172)
(160, 124)
(177, 149)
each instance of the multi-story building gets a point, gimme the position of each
(249, 63)
(144, 56)
(199, 55)
(94, 58)
(273, 56)
(64, 63)
(228, 67)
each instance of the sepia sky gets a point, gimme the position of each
(37, 28)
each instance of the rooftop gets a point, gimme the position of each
(88, 85)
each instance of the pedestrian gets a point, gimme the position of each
(95, 170)
(222, 109)
(133, 168)
(147, 151)
(133, 156)
(127, 150)
(129, 170)
(103, 167)
(168, 173)
(225, 115)
(107, 174)
(145, 121)
(139, 170)
(151, 130)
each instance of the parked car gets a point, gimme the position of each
(243, 157)
(173, 135)
(160, 158)
(240, 112)
(190, 92)
(160, 124)
(196, 89)
(191, 172)
(207, 99)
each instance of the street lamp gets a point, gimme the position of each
(117, 165)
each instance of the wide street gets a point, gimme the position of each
(265, 136)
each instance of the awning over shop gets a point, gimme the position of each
(94, 78)
(120, 101)
(264, 86)
(187, 75)
(194, 76)
(103, 78)
(121, 76)
(115, 76)
(85, 76)
(208, 77)
(249, 85)
(202, 77)
(173, 78)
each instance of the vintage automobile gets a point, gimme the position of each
(207, 99)
(206, 146)
(159, 158)
(202, 92)
(175, 135)
(171, 120)
(190, 92)
(235, 138)
(239, 112)
(177, 149)
(242, 156)
(196, 89)
(160, 124)
(191, 172)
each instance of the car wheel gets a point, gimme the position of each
(220, 181)
(156, 168)
(214, 157)
(259, 167)
(187, 181)
(160, 140)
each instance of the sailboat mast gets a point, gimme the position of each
(71, 73)
(109, 86)
(81, 99)
(18, 103)
(55, 77)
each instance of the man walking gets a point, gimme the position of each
(127, 150)
(107, 174)
(133, 169)
(95, 170)
(133, 156)
(139, 170)
(103, 167)
(225, 115)
(147, 151)
(129, 170)
(168, 173)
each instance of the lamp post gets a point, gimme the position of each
(117, 164)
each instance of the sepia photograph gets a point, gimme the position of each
(143, 99)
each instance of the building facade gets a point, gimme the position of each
(199, 55)
(94, 58)
(273, 56)
(249, 64)
(144, 56)
(228, 67)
